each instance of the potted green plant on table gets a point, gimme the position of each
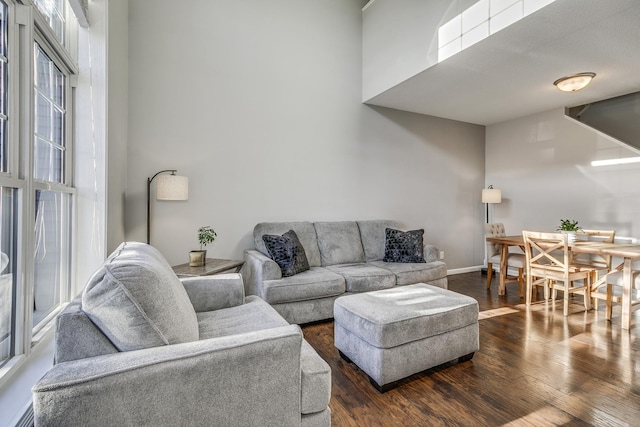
(569, 227)
(206, 235)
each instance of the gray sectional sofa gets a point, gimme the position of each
(344, 257)
(141, 347)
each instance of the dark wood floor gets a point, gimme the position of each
(534, 368)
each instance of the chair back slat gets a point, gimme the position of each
(600, 262)
(546, 251)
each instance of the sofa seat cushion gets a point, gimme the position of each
(362, 277)
(339, 242)
(137, 301)
(409, 273)
(317, 282)
(253, 315)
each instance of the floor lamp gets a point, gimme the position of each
(169, 187)
(490, 195)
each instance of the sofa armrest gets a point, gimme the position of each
(241, 379)
(256, 269)
(209, 293)
(431, 253)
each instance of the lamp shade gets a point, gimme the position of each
(172, 187)
(491, 195)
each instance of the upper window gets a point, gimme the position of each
(49, 149)
(54, 11)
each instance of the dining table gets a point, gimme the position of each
(627, 251)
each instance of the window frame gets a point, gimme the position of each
(26, 27)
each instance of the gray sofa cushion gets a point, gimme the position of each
(315, 283)
(372, 234)
(304, 230)
(137, 301)
(253, 315)
(287, 252)
(408, 273)
(362, 277)
(339, 242)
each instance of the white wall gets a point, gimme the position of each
(117, 113)
(542, 164)
(259, 104)
(400, 39)
(90, 145)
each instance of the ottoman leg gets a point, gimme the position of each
(466, 357)
(383, 388)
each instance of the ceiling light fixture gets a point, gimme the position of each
(574, 82)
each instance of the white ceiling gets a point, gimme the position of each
(511, 73)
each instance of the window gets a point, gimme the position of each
(7, 270)
(52, 203)
(54, 12)
(52, 245)
(48, 161)
(36, 196)
(7, 207)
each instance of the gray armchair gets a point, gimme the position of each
(141, 347)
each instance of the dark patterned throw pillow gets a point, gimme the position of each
(403, 246)
(287, 252)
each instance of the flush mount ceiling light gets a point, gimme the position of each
(574, 82)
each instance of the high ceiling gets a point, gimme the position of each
(511, 73)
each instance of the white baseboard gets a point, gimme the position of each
(512, 271)
(464, 270)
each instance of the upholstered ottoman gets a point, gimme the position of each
(394, 333)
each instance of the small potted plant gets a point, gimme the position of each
(206, 235)
(570, 227)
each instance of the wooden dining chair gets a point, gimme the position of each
(494, 251)
(609, 288)
(548, 263)
(600, 263)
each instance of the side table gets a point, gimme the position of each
(211, 266)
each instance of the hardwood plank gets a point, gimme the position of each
(535, 367)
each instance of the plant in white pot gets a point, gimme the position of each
(570, 227)
(206, 235)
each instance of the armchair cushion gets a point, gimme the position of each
(209, 293)
(137, 301)
(253, 315)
